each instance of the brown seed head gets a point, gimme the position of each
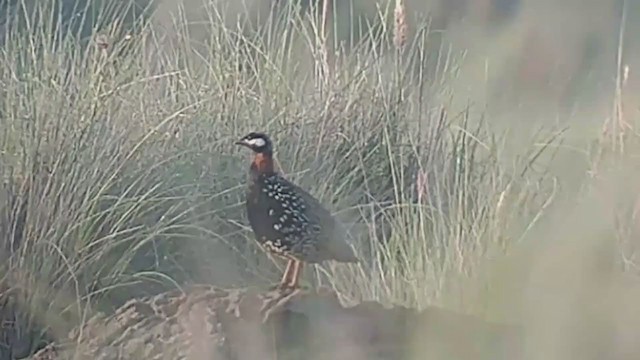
(401, 29)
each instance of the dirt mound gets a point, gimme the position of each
(211, 323)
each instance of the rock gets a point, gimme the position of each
(205, 322)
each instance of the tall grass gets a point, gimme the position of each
(120, 177)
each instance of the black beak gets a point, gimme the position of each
(240, 142)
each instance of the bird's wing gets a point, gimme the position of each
(333, 234)
(317, 211)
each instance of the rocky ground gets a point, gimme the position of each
(206, 322)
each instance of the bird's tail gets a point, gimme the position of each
(338, 245)
(342, 252)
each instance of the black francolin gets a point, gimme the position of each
(286, 220)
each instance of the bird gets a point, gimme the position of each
(286, 220)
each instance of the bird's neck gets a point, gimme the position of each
(262, 164)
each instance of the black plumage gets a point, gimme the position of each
(286, 220)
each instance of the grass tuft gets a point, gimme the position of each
(120, 178)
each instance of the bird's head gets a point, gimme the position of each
(258, 142)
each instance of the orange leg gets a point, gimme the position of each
(286, 277)
(296, 273)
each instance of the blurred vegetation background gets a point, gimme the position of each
(482, 153)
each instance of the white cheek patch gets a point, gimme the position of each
(257, 142)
